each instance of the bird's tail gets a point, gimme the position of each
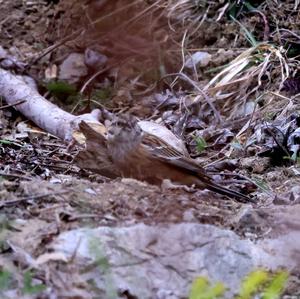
(227, 192)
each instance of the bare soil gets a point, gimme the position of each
(40, 185)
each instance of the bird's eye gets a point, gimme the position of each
(125, 125)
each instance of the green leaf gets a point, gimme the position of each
(5, 278)
(260, 183)
(4, 141)
(248, 35)
(29, 288)
(256, 283)
(294, 156)
(201, 289)
(199, 286)
(200, 144)
(276, 287)
(9, 142)
(252, 283)
(215, 292)
(249, 6)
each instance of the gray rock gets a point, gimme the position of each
(3, 53)
(94, 60)
(73, 68)
(198, 59)
(162, 261)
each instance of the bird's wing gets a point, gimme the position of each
(168, 154)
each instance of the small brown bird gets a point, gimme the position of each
(146, 157)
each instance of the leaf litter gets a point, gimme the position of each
(251, 142)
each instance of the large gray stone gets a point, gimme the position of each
(162, 261)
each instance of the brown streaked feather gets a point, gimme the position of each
(145, 156)
(163, 152)
(95, 156)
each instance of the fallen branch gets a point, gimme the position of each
(84, 129)
(36, 108)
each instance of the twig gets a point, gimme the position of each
(278, 143)
(14, 176)
(92, 78)
(222, 12)
(24, 199)
(12, 105)
(267, 27)
(182, 56)
(209, 102)
(289, 31)
(271, 193)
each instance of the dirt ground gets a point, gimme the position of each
(40, 184)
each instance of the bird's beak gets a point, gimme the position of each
(110, 133)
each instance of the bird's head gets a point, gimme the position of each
(124, 129)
